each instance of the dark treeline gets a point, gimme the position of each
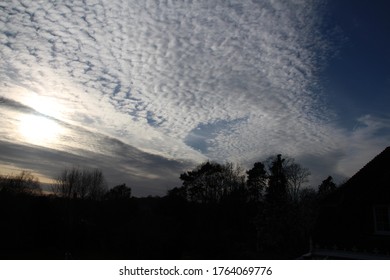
(219, 212)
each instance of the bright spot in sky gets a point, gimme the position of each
(43, 104)
(39, 130)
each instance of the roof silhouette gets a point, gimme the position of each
(371, 183)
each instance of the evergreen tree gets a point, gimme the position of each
(257, 181)
(277, 184)
(327, 186)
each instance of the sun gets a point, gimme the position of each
(41, 127)
(39, 130)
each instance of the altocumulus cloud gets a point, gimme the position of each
(172, 82)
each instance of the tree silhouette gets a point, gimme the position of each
(285, 220)
(217, 212)
(178, 194)
(23, 183)
(256, 181)
(277, 184)
(296, 176)
(210, 182)
(80, 183)
(326, 187)
(120, 192)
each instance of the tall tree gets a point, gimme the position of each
(326, 187)
(285, 221)
(277, 184)
(256, 181)
(296, 176)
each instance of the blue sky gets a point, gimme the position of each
(359, 76)
(145, 90)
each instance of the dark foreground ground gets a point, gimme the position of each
(43, 227)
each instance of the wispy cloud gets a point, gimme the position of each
(78, 146)
(369, 137)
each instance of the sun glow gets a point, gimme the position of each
(45, 105)
(39, 130)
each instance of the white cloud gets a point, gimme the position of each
(151, 73)
(370, 136)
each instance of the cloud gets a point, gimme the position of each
(354, 149)
(181, 80)
(78, 146)
(149, 72)
(146, 174)
(370, 136)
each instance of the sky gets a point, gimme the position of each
(145, 90)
